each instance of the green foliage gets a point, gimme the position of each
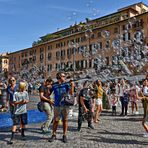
(46, 38)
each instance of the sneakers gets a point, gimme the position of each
(11, 139)
(91, 126)
(79, 129)
(64, 139)
(53, 137)
(9, 142)
(136, 113)
(3, 109)
(45, 130)
(145, 135)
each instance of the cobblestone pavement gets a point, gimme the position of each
(110, 132)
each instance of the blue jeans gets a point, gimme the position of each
(124, 104)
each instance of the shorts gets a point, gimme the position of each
(134, 101)
(61, 111)
(20, 118)
(98, 101)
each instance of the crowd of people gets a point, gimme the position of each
(88, 96)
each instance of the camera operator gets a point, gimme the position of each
(85, 106)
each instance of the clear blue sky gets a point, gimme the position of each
(24, 21)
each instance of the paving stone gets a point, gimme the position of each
(110, 132)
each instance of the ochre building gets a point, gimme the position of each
(63, 49)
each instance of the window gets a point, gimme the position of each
(63, 54)
(107, 60)
(34, 58)
(77, 40)
(41, 50)
(99, 34)
(57, 66)
(95, 64)
(61, 44)
(90, 63)
(49, 56)
(138, 23)
(41, 57)
(116, 30)
(100, 45)
(83, 64)
(33, 52)
(26, 54)
(49, 67)
(49, 47)
(68, 42)
(69, 53)
(107, 44)
(62, 65)
(30, 60)
(30, 52)
(82, 49)
(93, 36)
(58, 55)
(64, 43)
(126, 36)
(123, 27)
(5, 61)
(22, 55)
(83, 39)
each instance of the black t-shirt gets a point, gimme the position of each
(45, 90)
(86, 94)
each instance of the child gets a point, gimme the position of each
(114, 101)
(133, 99)
(20, 99)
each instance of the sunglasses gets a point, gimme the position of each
(63, 76)
(12, 80)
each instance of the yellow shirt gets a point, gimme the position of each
(100, 92)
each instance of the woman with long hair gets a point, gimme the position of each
(98, 101)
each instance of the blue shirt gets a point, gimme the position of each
(11, 92)
(59, 91)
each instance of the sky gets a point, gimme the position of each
(24, 21)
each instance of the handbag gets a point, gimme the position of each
(68, 100)
(40, 106)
